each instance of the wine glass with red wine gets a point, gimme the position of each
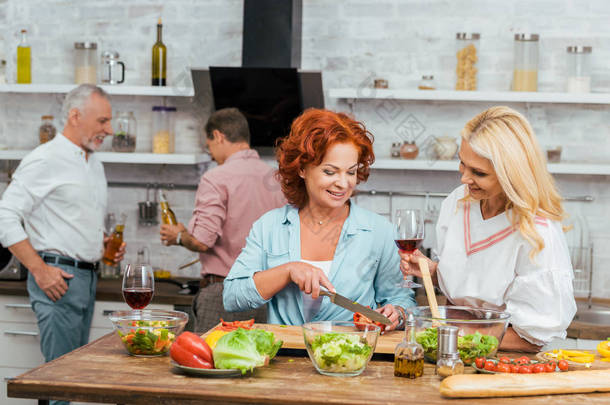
(409, 235)
(138, 285)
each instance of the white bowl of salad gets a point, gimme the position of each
(339, 348)
(480, 330)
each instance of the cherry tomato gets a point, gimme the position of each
(525, 369)
(522, 360)
(514, 368)
(550, 367)
(479, 362)
(503, 368)
(505, 359)
(563, 365)
(538, 368)
(490, 365)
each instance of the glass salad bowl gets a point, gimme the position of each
(339, 348)
(148, 332)
(480, 330)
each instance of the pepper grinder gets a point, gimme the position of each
(448, 360)
(408, 355)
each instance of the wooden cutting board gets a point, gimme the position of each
(598, 364)
(292, 336)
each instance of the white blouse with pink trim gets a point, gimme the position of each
(485, 263)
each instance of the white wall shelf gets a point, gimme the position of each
(140, 158)
(118, 89)
(599, 169)
(476, 96)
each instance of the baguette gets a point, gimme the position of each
(513, 385)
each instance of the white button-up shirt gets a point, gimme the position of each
(60, 198)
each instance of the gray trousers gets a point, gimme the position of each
(64, 324)
(208, 309)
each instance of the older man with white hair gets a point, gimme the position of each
(52, 220)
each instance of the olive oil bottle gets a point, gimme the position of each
(167, 215)
(24, 60)
(159, 59)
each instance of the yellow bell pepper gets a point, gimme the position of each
(604, 348)
(213, 337)
(577, 356)
(582, 359)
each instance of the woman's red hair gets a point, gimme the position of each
(311, 134)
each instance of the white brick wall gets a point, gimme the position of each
(351, 41)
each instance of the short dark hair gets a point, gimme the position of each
(231, 122)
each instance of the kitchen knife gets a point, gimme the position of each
(353, 306)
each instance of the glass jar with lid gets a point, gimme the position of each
(112, 68)
(85, 62)
(467, 54)
(579, 69)
(47, 130)
(124, 138)
(427, 82)
(525, 72)
(163, 129)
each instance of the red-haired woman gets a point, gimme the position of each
(320, 238)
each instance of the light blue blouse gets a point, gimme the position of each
(365, 266)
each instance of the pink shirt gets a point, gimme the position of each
(230, 197)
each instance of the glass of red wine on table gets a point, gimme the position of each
(138, 285)
(409, 235)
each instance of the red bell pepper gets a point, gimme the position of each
(361, 320)
(191, 351)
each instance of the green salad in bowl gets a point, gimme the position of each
(339, 348)
(480, 330)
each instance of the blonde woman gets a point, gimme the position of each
(500, 241)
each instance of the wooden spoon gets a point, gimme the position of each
(425, 272)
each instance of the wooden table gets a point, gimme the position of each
(102, 372)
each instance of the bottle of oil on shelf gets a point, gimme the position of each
(167, 215)
(159, 59)
(24, 60)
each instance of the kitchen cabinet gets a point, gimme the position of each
(21, 342)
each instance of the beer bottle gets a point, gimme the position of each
(115, 242)
(167, 215)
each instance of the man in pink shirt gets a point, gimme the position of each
(230, 197)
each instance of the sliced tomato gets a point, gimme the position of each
(480, 362)
(503, 368)
(361, 321)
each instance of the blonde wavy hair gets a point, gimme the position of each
(504, 136)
